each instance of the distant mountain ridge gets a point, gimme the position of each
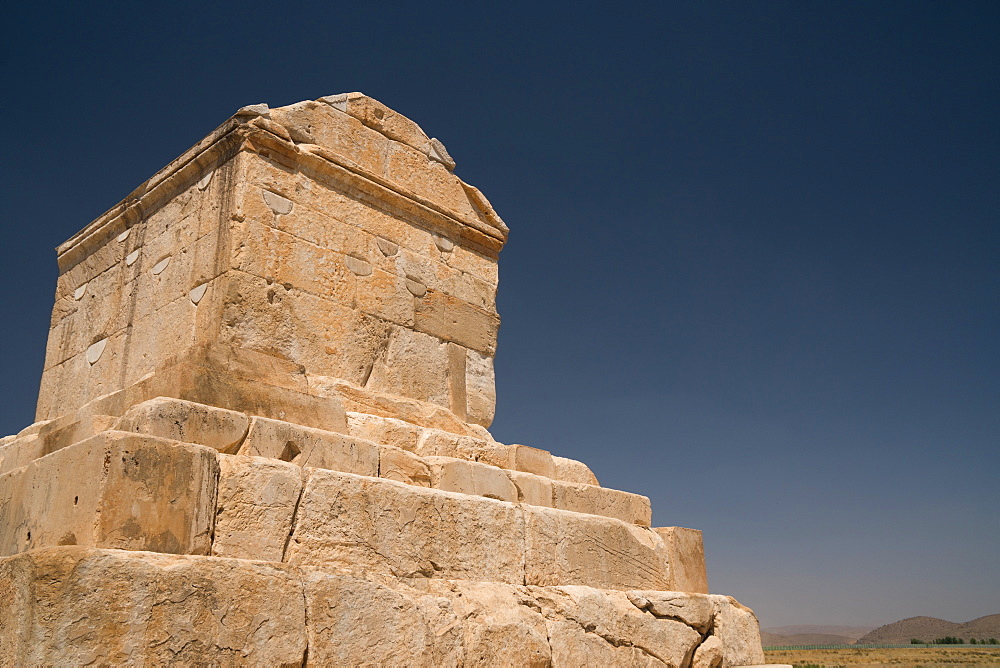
(932, 628)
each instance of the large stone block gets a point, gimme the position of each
(78, 606)
(459, 475)
(115, 490)
(572, 548)
(685, 552)
(305, 446)
(581, 498)
(737, 627)
(256, 504)
(377, 527)
(188, 422)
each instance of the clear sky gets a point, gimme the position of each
(753, 263)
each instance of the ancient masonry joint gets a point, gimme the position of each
(262, 435)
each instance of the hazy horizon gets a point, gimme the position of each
(753, 263)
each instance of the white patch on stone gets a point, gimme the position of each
(444, 244)
(276, 202)
(435, 150)
(95, 351)
(124, 235)
(80, 292)
(205, 180)
(387, 247)
(340, 100)
(416, 288)
(254, 110)
(358, 266)
(132, 257)
(197, 293)
(160, 266)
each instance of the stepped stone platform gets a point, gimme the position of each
(262, 435)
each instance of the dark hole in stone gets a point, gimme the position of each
(289, 453)
(29, 535)
(76, 500)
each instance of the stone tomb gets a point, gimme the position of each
(262, 435)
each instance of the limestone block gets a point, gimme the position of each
(420, 413)
(323, 336)
(570, 470)
(357, 622)
(465, 477)
(581, 498)
(402, 466)
(610, 616)
(709, 654)
(437, 443)
(188, 422)
(430, 179)
(116, 490)
(373, 526)
(737, 627)
(414, 365)
(695, 610)
(343, 136)
(387, 296)
(256, 503)
(279, 257)
(572, 646)
(532, 489)
(383, 430)
(480, 388)
(572, 548)
(50, 436)
(81, 606)
(685, 552)
(305, 446)
(379, 117)
(500, 625)
(533, 460)
(452, 319)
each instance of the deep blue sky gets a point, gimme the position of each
(753, 267)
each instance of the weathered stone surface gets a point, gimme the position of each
(310, 447)
(695, 610)
(573, 548)
(709, 654)
(377, 527)
(438, 443)
(533, 460)
(571, 470)
(81, 606)
(402, 466)
(383, 430)
(116, 490)
(737, 627)
(27, 446)
(187, 422)
(532, 489)
(583, 620)
(581, 498)
(458, 475)
(685, 552)
(256, 503)
(351, 618)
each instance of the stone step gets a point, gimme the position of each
(365, 525)
(75, 606)
(132, 491)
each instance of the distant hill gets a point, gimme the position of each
(852, 632)
(792, 640)
(931, 628)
